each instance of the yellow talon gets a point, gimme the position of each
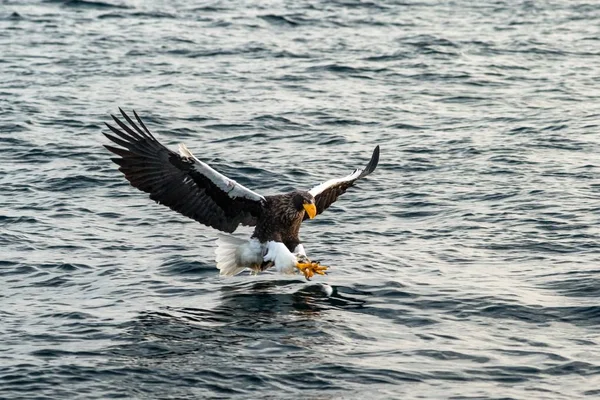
(311, 268)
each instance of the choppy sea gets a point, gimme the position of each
(466, 267)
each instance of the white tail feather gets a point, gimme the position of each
(233, 254)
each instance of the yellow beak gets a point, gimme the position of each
(311, 210)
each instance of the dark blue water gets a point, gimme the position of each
(466, 266)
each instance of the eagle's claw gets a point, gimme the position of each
(309, 269)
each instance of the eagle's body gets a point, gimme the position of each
(281, 223)
(187, 185)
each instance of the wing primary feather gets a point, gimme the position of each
(132, 146)
(120, 133)
(142, 124)
(133, 124)
(118, 151)
(127, 129)
(120, 142)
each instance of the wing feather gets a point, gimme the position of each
(326, 193)
(181, 182)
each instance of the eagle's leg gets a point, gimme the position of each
(287, 262)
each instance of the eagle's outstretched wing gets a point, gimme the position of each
(327, 193)
(181, 181)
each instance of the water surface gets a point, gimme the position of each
(466, 266)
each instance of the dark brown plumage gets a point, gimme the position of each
(283, 214)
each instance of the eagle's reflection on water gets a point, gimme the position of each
(282, 297)
(270, 304)
(274, 312)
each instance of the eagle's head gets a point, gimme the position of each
(304, 201)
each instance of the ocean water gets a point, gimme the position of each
(466, 266)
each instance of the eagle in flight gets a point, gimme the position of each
(187, 185)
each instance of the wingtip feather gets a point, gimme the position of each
(118, 151)
(142, 124)
(372, 163)
(124, 114)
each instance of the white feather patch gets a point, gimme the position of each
(332, 182)
(233, 254)
(229, 186)
(278, 253)
(300, 250)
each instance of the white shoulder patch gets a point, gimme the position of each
(229, 186)
(332, 182)
(185, 152)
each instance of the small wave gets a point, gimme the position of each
(344, 69)
(180, 266)
(388, 57)
(71, 182)
(250, 49)
(53, 282)
(362, 4)
(280, 20)
(274, 118)
(14, 128)
(6, 220)
(332, 140)
(211, 8)
(290, 54)
(142, 15)
(74, 315)
(16, 270)
(58, 353)
(585, 284)
(87, 4)
(425, 41)
(153, 15)
(462, 99)
(230, 127)
(15, 16)
(406, 126)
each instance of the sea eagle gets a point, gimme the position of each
(187, 185)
